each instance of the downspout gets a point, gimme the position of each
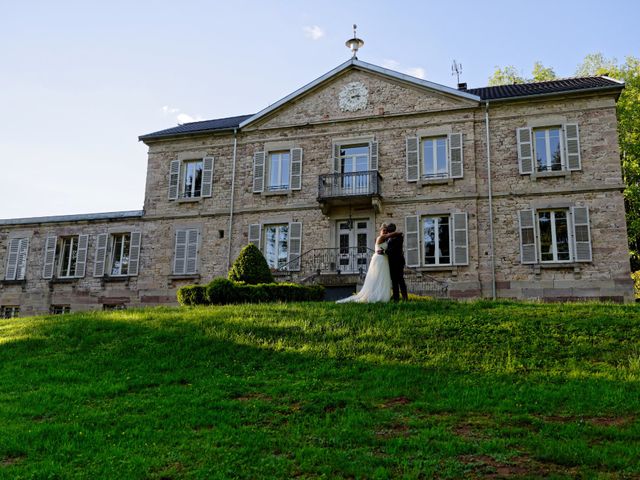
(233, 187)
(491, 243)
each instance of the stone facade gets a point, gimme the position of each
(397, 108)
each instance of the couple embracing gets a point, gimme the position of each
(386, 270)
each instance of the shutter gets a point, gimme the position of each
(460, 239)
(12, 259)
(373, 155)
(295, 180)
(455, 155)
(81, 258)
(412, 159)
(207, 176)
(101, 255)
(180, 252)
(295, 245)
(412, 237)
(254, 234)
(258, 172)
(336, 158)
(23, 251)
(581, 234)
(528, 248)
(525, 151)
(174, 179)
(134, 253)
(49, 256)
(572, 142)
(192, 251)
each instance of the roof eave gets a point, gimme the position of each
(152, 137)
(555, 94)
(82, 217)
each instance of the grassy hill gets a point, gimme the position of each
(414, 390)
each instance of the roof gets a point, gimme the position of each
(505, 92)
(74, 218)
(218, 124)
(355, 63)
(497, 93)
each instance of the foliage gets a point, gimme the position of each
(192, 295)
(422, 389)
(636, 283)
(509, 75)
(222, 291)
(250, 267)
(596, 64)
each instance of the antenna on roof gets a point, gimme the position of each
(355, 43)
(456, 69)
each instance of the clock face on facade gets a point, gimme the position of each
(353, 97)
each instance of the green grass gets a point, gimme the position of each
(416, 390)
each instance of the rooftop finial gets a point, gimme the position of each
(355, 43)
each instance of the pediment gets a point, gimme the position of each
(340, 96)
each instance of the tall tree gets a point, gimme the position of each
(541, 73)
(505, 76)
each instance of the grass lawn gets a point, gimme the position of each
(416, 390)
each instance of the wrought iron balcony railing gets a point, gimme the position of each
(336, 185)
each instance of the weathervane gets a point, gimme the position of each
(456, 69)
(355, 43)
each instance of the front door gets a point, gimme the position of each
(353, 245)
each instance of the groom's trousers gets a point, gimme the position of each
(397, 281)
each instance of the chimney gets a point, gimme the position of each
(462, 86)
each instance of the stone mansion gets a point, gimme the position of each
(510, 191)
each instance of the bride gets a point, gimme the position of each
(377, 283)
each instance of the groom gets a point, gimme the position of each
(396, 263)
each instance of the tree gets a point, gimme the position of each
(250, 267)
(505, 76)
(595, 64)
(542, 74)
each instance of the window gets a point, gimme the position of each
(277, 171)
(185, 261)
(276, 245)
(554, 236)
(67, 257)
(17, 259)
(109, 307)
(554, 148)
(280, 243)
(557, 235)
(9, 311)
(279, 167)
(547, 150)
(434, 157)
(353, 165)
(190, 179)
(59, 309)
(120, 248)
(436, 238)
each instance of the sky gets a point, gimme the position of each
(81, 80)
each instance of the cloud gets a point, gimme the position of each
(313, 32)
(186, 118)
(391, 64)
(169, 110)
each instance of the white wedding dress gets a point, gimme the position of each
(377, 283)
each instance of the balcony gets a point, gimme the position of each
(349, 189)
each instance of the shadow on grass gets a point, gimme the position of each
(264, 392)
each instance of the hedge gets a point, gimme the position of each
(222, 291)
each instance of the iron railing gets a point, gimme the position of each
(355, 260)
(335, 185)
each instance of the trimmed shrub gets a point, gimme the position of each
(250, 267)
(192, 295)
(221, 291)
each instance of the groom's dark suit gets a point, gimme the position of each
(396, 266)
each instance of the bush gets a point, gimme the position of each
(222, 291)
(192, 295)
(250, 267)
(636, 283)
